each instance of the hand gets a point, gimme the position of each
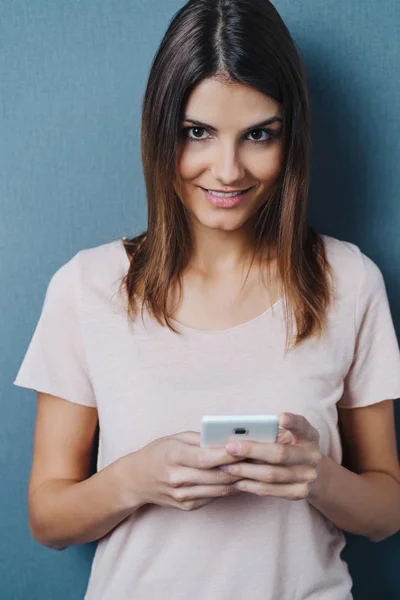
(287, 468)
(175, 471)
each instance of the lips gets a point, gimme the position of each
(221, 202)
(227, 191)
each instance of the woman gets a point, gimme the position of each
(226, 304)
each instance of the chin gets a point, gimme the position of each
(224, 222)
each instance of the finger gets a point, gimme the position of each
(189, 437)
(299, 426)
(188, 494)
(273, 453)
(202, 458)
(272, 474)
(295, 491)
(196, 504)
(211, 476)
(285, 437)
(187, 476)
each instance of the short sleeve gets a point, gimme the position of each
(374, 374)
(54, 362)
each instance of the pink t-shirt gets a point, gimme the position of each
(148, 382)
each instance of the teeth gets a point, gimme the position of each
(225, 195)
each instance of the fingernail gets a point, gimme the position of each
(233, 448)
(226, 468)
(288, 420)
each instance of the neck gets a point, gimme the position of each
(216, 251)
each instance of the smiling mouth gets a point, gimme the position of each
(226, 201)
(228, 191)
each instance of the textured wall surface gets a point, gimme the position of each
(72, 76)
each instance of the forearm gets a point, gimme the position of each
(366, 504)
(63, 513)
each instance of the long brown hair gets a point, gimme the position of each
(242, 41)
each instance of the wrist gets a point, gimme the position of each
(319, 487)
(123, 480)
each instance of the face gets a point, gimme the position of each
(223, 146)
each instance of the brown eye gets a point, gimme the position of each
(259, 132)
(269, 135)
(197, 134)
(197, 129)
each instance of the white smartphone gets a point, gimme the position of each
(217, 430)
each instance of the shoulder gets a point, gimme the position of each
(98, 260)
(106, 253)
(341, 253)
(98, 267)
(353, 271)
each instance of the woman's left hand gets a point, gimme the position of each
(287, 468)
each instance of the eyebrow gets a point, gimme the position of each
(269, 121)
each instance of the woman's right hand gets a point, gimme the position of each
(174, 471)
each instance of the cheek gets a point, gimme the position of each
(262, 166)
(191, 163)
(267, 168)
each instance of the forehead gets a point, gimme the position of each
(229, 104)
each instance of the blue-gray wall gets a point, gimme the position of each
(72, 76)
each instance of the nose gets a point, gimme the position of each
(226, 165)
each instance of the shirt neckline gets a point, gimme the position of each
(195, 330)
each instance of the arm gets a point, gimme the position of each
(362, 496)
(66, 506)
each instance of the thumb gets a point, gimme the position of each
(299, 426)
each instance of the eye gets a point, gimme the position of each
(194, 129)
(268, 133)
